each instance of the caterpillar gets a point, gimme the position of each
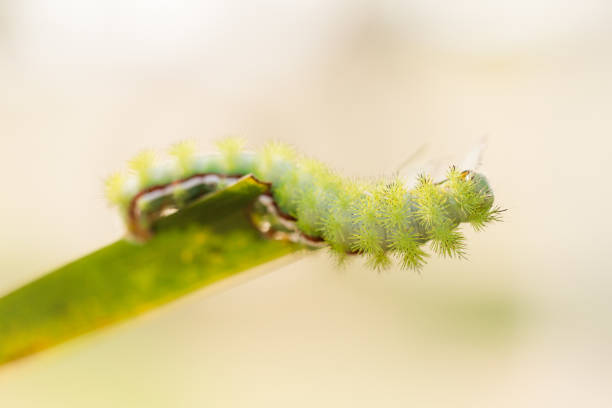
(309, 203)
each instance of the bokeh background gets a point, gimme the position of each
(527, 321)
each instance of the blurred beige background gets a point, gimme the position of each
(527, 321)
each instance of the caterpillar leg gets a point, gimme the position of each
(159, 201)
(274, 224)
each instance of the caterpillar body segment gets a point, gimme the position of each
(310, 203)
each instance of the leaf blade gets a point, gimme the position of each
(210, 241)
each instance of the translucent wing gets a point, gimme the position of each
(473, 160)
(419, 163)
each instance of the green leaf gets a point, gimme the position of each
(209, 241)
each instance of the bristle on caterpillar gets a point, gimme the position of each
(309, 203)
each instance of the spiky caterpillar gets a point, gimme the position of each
(310, 203)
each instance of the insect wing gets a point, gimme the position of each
(436, 168)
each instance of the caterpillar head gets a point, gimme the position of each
(475, 198)
(478, 180)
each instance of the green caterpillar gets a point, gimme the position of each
(310, 203)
